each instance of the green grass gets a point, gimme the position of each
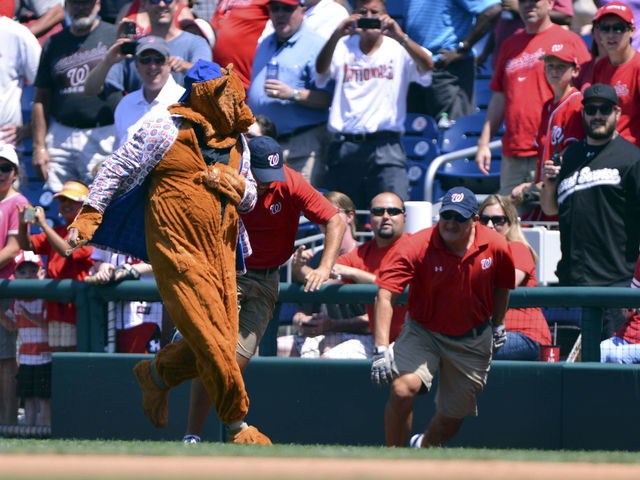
(140, 448)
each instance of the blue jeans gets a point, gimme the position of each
(518, 347)
(618, 350)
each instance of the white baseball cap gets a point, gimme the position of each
(8, 152)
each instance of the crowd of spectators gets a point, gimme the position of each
(332, 81)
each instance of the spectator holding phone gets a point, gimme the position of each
(117, 71)
(372, 62)
(596, 193)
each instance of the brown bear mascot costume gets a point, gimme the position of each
(192, 169)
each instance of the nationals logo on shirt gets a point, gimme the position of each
(526, 61)
(275, 208)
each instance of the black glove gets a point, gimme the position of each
(382, 367)
(499, 337)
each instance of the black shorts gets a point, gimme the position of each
(34, 381)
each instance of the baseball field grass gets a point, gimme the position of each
(123, 460)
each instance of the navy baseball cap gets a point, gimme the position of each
(600, 91)
(266, 159)
(460, 200)
(202, 71)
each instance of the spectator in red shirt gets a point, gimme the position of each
(561, 125)
(527, 328)
(614, 27)
(460, 273)
(61, 264)
(519, 92)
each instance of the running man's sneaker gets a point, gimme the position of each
(189, 439)
(416, 440)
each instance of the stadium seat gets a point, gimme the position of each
(420, 125)
(483, 94)
(418, 148)
(464, 133)
(465, 173)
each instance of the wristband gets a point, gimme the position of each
(378, 349)
(296, 95)
(405, 40)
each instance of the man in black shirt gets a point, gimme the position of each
(596, 193)
(71, 132)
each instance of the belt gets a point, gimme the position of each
(474, 332)
(364, 137)
(84, 126)
(264, 271)
(297, 131)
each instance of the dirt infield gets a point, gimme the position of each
(141, 467)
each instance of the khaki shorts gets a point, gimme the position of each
(516, 170)
(62, 334)
(257, 296)
(463, 364)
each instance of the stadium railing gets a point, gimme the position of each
(92, 313)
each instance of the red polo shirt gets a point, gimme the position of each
(273, 223)
(448, 294)
(368, 257)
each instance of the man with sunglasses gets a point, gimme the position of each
(159, 89)
(596, 193)
(460, 273)
(117, 71)
(614, 27)
(363, 263)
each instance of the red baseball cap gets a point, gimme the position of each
(620, 9)
(564, 51)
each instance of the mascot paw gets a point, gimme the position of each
(249, 436)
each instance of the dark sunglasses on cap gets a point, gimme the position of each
(392, 211)
(497, 220)
(7, 167)
(155, 2)
(158, 60)
(449, 215)
(603, 108)
(612, 27)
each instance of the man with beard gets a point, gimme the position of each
(596, 193)
(71, 132)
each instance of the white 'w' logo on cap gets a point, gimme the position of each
(457, 197)
(274, 159)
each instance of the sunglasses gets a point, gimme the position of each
(613, 27)
(155, 2)
(392, 211)
(155, 60)
(6, 168)
(497, 220)
(603, 108)
(281, 8)
(453, 215)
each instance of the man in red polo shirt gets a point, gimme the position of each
(460, 274)
(363, 263)
(283, 194)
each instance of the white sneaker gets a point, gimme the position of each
(189, 439)
(416, 440)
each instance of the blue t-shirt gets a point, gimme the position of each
(444, 23)
(123, 76)
(297, 68)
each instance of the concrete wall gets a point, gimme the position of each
(525, 405)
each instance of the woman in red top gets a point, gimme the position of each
(527, 328)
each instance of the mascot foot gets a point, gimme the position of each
(249, 436)
(155, 400)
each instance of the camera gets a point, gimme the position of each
(30, 214)
(128, 48)
(556, 158)
(368, 23)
